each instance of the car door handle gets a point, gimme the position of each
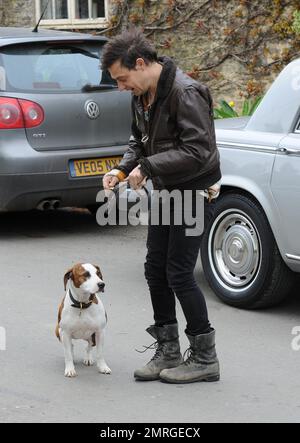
(289, 151)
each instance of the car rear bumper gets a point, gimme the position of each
(27, 177)
(25, 192)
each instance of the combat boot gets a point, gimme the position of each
(201, 365)
(167, 354)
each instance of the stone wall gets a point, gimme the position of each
(17, 13)
(1, 12)
(236, 47)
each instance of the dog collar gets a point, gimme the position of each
(79, 305)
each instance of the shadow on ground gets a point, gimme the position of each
(39, 224)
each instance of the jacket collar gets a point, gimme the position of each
(167, 76)
(165, 81)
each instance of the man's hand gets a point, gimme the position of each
(136, 178)
(109, 181)
(112, 178)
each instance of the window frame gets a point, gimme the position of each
(71, 22)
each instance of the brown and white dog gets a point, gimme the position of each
(82, 315)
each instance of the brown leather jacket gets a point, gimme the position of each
(177, 146)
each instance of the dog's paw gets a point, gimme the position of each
(104, 369)
(88, 362)
(70, 372)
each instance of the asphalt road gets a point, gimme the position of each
(259, 369)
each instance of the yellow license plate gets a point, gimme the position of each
(93, 166)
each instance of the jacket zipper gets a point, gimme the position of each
(150, 126)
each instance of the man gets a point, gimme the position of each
(173, 143)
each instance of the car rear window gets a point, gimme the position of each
(52, 68)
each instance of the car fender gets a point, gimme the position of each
(254, 178)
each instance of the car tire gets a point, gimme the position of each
(240, 257)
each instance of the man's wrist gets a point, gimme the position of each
(141, 171)
(144, 167)
(117, 173)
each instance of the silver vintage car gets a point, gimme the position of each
(251, 250)
(63, 122)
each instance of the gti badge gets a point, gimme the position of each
(92, 110)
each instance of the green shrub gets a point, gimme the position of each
(225, 110)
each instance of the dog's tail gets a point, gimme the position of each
(59, 318)
(57, 332)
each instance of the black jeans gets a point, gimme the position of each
(169, 271)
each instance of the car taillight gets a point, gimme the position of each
(11, 116)
(32, 112)
(17, 113)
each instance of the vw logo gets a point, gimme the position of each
(92, 110)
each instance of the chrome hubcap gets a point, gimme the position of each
(234, 250)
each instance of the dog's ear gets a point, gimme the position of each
(67, 275)
(98, 269)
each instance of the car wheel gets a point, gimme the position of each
(240, 258)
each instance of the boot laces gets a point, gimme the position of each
(158, 350)
(191, 356)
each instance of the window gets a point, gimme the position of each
(51, 69)
(73, 13)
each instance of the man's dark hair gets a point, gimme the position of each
(127, 48)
